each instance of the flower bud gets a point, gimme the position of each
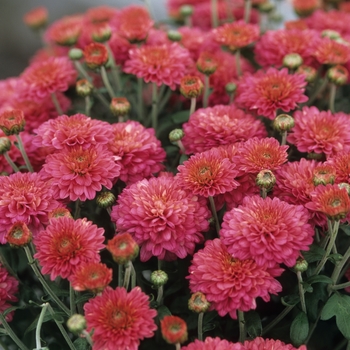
(19, 235)
(84, 88)
(123, 248)
(101, 32)
(310, 73)
(191, 86)
(76, 324)
(59, 213)
(176, 135)
(230, 88)
(174, 35)
(37, 18)
(5, 145)
(186, 10)
(266, 7)
(12, 122)
(159, 278)
(174, 329)
(75, 54)
(105, 199)
(266, 179)
(283, 123)
(338, 75)
(301, 265)
(96, 55)
(119, 106)
(346, 186)
(292, 61)
(198, 303)
(323, 175)
(207, 63)
(331, 34)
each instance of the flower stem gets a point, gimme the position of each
(56, 103)
(10, 161)
(140, 98)
(301, 291)
(88, 337)
(193, 105)
(11, 333)
(263, 192)
(127, 275)
(280, 317)
(24, 153)
(120, 275)
(241, 326)
(160, 295)
(154, 106)
(229, 11)
(200, 326)
(87, 105)
(332, 92)
(340, 286)
(238, 63)
(177, 346)
(214, 13)
(339, 266)
(114, 69)
(206, 91)
(215, 215)
(247, 10)
(133, 277)
(38, 325)
(71, 299)
(318, 91)
(106, 82)
(284, 138)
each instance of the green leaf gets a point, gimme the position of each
(314, 254)
(58, 317)
(183, 158)
(81, 344)
(315, 300)
(307, 287)
(338, 305)
(180, 117)
(318, 279)
(290, 300)
(299, 329)
(334, 258)
(163, 311)
(345, 229)
(253, 324)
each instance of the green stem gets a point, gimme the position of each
(71, 299)
(11, 334)
(77, 208)
(215, 215)
(40, 277)
(301, 291)
(214, 13)
(39, 324)
(24, 153)
(339, 266)
(160, 295)
(200, 326)
(284, 138)
(280, 317)
(229, 11)
(140, 99)
(177, 346)
(133, 276)
(87, 105)
(206, 91)
(242, 332)
(114, 69)
(159, 264)
(120, 275)
(193, 105)
(164, 100)
(263, 192)
(318, 91)
(154, 106)
(87, 337)
(12, 164)
(56, 103)
(238, 63)
(247, 10)
(340, 286)
(127, 275)
(332, 92)
(106, 82)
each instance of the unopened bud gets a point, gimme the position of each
(159, 278)
(266, 179)
(105, 199)
(331, 34)
(174, 329)
(101, 33)
(230, 88)
(59, 213)
(207, 63)
(174, 35)
(75, 54)
(292, 61)
(5, 145)
(323, 175)
(346, 186)
(12, 122)
(123, 248)
(176, 135)
(266, 7)
(198, 303)
(96, 55)
(283, 123)
(84, 88)
(37, 18)
(76, 324)
(301, 265)
(309, 72)
(338, 75)
(191, 86)
(119, 106)
(186, 10)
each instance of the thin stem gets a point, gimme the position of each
(11, 334)
(301, 291)
(214, 13)
(242, 332)
(12, 164)
(39, 324)
(238, 63)
(154, 106)
(181, 146)
(280, 317)
(71, 299)
(339, 266)
(140, 98)
(133, 277)
(215, 215)
(77, 209)
(200, 326)
(87, 337)
(247, 10)
(114, 69)
(332, 92)
(193, 105)
(206, 91)
(87, 105)
(56, 103)
(160, 295)
(120, 275)
(24, 153)
(284, 138)
(348, 346)
(340, 286)
(127, 275)
(232, 96)
(177, 346)
(164, 100)
(318, 91)
(159, 264)
(263, 192)
(106, 82)
(229, 11)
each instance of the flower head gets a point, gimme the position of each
(123, 248)
(36, 18)
(269, 344)
(18, 235)
(120, 319)
(230, 284)
(66, 244)
(329, 51)
(165, 220)
(174, 329)
(341, 163)
(8, 289)
(213, 344)
(198, 303)
(207, 63)
(269, 231)
(12, 122)
(266, 92)
(96, 55)
(191, 86)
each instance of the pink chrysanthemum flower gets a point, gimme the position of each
(120, 319)
(140, 153)
(256, 154)
(220, 125)
(269, 344)
(208, 174)
(267, 230)
(66, 244)
(165, 220)
(68, 131)
(78, 173)
(120, 48)
(8, 289)
(320, 131)
(228, 283)
(100, 14)
(213, 344)
(329, 51)
(174, 329)
(266, 92)
(160, 64)
(44, 78)
(25, 197)
(341, 163)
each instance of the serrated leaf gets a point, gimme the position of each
(338, 305)
(299, 329)
(163, 311)
(290, 300)
(314, 254)
(180, 117)
(319, 279)
(253, 324)
(314, 299)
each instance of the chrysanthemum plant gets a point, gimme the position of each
(181, 184)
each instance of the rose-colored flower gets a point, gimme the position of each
(36, 18)
(267, 230)
(320, 131)
(174, 329)
(140, 153)
(213, 344)
(27, 198)
(44, 78)
(66, 244)
(236, 35)
(305, 8)
(329, 51)
(96, 55)
(266, 92)
(160, 64)
(120, 48)
(165, 220)
(100, 14)
(8, 289)
(119, 319)
(220, 125)
(230, 284)
(12, 122)
(341, 163)
(92, 276)
(123, 248)
(269, 344)
(299, 24)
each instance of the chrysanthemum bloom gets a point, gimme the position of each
(140, 153)
(100, 14)
(44, 78)
(267, 230)
(174, 329)
(324, 174)
(269, 344)
(198, 303)
(230, 284)
(18, 235)
(310, 73)
(160, 64)
(36, 18)
(12, 122)
(330, 200)
(78, 173)
(256, 154)
(236, 35)
(320, 131)
(96, 55)
(66, 244)
(65, 31)
(75, 130)
(207, 63)
(8, 289)
(219, 125)
(59, 213)
(92, 276)
(274, 45)
(329, 51)
(266, 92)
(305, 8)
(120, 48)
(27, 198)
(119, 319)
(133, 23)
(338, 75)
(213, 344)
(299, 24)
(207, 174)
(165, 220)
(341, 163)
(123, 248)
(191, 86)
